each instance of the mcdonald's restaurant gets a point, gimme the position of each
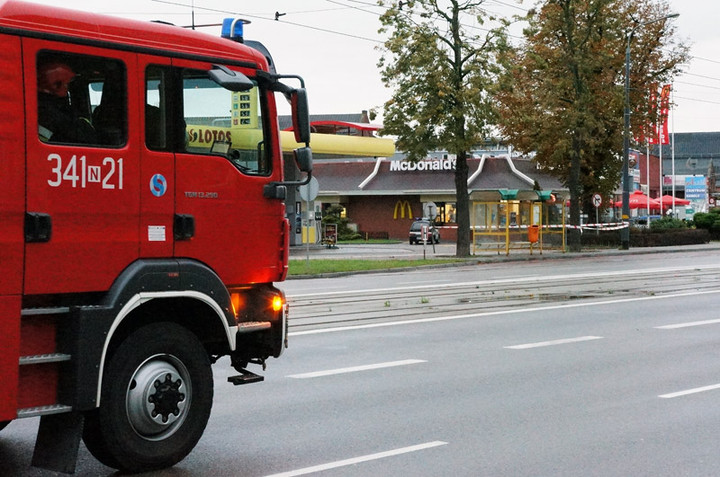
(382, 197)
(381, 194)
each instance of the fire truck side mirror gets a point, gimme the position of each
(303, 159)
(229, 79)
(300, 115)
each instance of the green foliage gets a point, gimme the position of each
(667, 223)
(668, 237)
(703, 220)
(441, 72)
(333, 215)
(648, 237)
(709, 221)
(561, 95)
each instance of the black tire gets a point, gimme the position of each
(4, 424)
(155, 402)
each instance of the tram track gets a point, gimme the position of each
(327, 309)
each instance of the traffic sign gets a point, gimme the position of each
(310, 190)
(597, 200)
(430, 210)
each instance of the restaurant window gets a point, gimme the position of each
(446, 213)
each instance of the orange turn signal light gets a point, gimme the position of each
(277, 303)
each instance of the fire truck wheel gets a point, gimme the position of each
(155, 402)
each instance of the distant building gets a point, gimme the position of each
(694, 153)
(383, 197)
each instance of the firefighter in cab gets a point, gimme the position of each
(58, 122)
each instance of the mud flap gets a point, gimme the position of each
(58, 441)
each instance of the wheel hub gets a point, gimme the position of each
(158, 397)
(167, 397)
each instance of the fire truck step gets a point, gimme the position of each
(44, 358)
(43, 410)
(250, 326)
(58, 310)
(246, 377)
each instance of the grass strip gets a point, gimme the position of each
(321, 266)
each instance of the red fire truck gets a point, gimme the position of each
(142, 226)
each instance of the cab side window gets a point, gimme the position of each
(157, 133)
(81, 99)
(165, 130)
(186, 111)
(225, 123)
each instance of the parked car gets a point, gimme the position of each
(415, 234)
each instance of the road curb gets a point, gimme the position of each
(488, 259)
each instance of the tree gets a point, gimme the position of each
(440, 70)
(562, 96)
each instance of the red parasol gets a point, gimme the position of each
(638, 200)
(667, 201)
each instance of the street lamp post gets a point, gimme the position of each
(625, 231)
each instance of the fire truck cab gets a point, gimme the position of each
(142, 226)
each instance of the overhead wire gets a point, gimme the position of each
(273, 19)
(707, 101)
(506, 4)
(697, 85)
(344, 5)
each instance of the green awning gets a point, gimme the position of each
(508, 194)
(544, 194)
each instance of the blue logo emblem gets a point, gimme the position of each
(158, 185)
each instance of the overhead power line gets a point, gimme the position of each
(506, 4)
(697, 100)
(344, 5)
(706, 59)
(270, 17)
(701, 76)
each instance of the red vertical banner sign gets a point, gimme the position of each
(664, 136)
(652, 129)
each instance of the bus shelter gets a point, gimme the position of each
(506, 219)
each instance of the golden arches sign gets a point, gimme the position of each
(401, 206)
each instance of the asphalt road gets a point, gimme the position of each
(623, 382)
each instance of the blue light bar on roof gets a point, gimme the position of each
(232, 28)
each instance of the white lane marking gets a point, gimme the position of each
(527, 279)
(690, 391)
(554, 342)
(358, 460)
(423, 282)
(687, 325)
(355, 369)
(497, 313)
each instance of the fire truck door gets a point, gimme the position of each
(82, 203)
(228, 223)
(12, 205)
(157, 168)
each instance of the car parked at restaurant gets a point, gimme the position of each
(415, 234)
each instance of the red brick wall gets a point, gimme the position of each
(377, 214)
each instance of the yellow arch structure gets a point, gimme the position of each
(402, 206)
(341, 145)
